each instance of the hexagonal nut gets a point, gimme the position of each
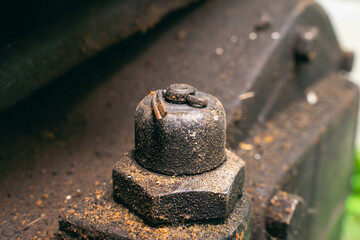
(98, 216)
(161, 198)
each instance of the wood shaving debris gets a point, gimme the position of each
(245, 146)
(246, 95)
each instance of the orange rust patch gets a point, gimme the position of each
(151, 93)
(269, 139)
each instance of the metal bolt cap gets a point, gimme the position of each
(180, 131)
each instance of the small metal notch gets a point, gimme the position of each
(158, 105)
(196, 101)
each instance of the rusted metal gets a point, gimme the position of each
(161, 198)
(76, 129)
(177, 93)
(304, 146)
(284, 215)
(100, 217)
(158, 105)
(182, 142)
(188, 140)
(184, 93)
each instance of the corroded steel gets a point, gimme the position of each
(162, 198)
(177, 138)
(284, 215)
(70, 134)
(100, 217)
(186, 140)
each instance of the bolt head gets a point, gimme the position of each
(284, 214)
(347, 61)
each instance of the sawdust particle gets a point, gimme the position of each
(38, 202)
(269, 139)
(245, 146)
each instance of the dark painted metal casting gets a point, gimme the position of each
(274, 65)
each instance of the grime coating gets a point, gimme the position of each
(99, 216)
(188, 140)
(163, 198)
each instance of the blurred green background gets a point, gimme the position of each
(351, 221)
(345, 18)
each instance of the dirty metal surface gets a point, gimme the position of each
(162, 198)
(187, 140)
(49, 51)
(100, 217)
(61, 142)
(210, 203)
(284, 215)
(306, 150)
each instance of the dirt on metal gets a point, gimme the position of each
(100, 217)
(59, 144)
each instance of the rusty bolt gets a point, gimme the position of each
(347, 61)
(305, 45)
(180, 169)
(183, 135)
(283, 215)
